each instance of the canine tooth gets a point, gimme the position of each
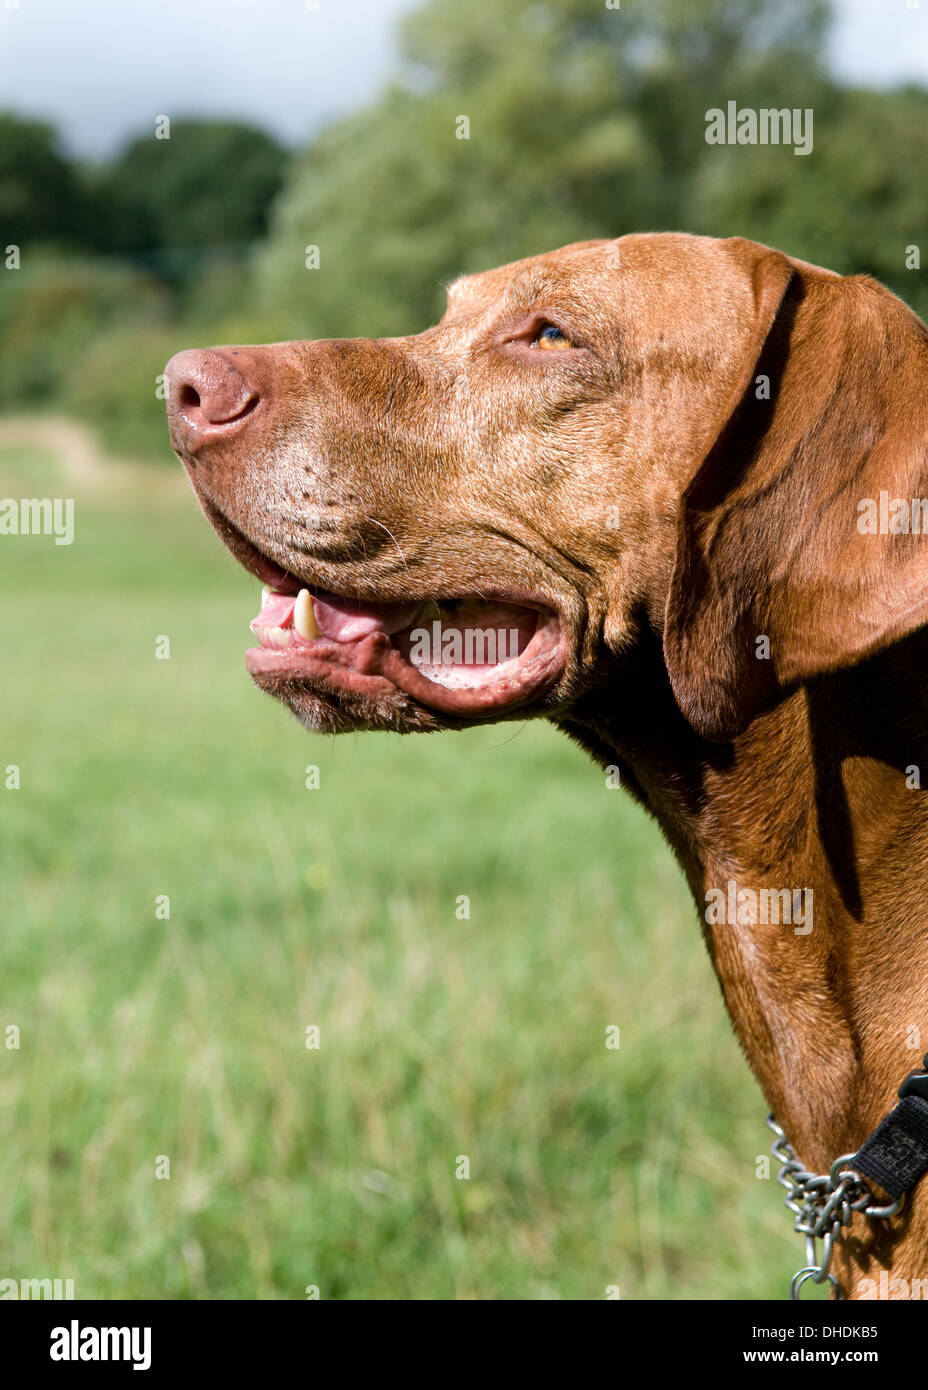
(304, 619)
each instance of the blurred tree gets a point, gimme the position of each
(208, 186)
(514, 126)
(856, 204)
(41, 198)
(580, 122)
(52, 309)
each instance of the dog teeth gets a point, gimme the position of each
(304, 619)
(277, 636)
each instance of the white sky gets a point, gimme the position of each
(104, 69)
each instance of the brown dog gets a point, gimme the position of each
(654, 490)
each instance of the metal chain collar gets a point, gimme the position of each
(824, 1206)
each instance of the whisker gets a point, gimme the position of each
(375, 522)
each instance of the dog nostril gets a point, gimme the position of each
(209, 397)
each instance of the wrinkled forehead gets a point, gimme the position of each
(650, 287)
(559, 277)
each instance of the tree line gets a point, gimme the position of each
(510, 127)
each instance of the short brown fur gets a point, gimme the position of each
(649, 490)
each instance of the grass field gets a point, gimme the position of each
(144, 1038)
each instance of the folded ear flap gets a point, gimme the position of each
(801, 544)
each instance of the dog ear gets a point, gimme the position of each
(799, 550)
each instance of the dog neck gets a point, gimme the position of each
(813, 819)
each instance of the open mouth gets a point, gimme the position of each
(469, 656)
(463, 656)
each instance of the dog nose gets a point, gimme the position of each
(208, 397)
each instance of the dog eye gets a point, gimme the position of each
(550, 336)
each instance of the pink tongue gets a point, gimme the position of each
(344, 620)
(276, 611)
(341, 619)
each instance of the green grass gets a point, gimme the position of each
(333, 907)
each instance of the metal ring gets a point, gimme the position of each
(800, 1277)
(843, 1162)
(833, 1202)
(891, 1210)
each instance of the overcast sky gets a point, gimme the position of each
(103, 69)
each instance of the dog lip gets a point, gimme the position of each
(373, 665)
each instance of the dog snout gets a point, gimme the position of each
(209, 397)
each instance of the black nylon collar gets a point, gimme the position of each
(896, 1154)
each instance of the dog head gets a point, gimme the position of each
(476, 522)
